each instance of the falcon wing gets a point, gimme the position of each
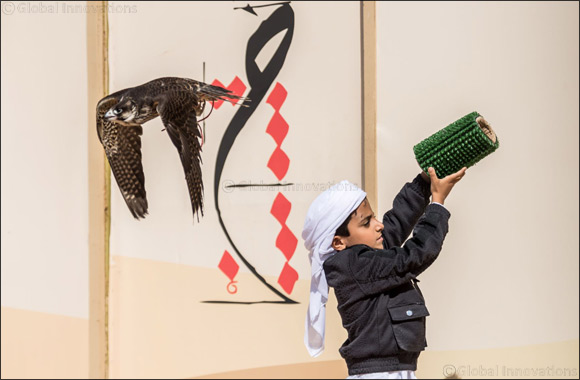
(177, 111)
(122, 145)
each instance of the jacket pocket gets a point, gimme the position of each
(408, 323)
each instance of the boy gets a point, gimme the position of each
(374, 278)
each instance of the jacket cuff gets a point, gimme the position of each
(438, 209)
(421, 186)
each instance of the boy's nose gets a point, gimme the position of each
(380, 226)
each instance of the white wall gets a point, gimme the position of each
(508, 272)
(44, 159)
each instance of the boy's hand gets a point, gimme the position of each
(440, 188)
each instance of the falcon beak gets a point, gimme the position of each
(110, 115)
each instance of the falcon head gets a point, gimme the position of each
(124, 111)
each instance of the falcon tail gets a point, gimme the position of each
(211, 92)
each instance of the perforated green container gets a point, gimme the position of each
(462, 143)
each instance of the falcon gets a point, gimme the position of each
(178, 101)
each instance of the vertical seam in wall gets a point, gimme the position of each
(369, 100)
(107, 186)
(362, 92)
(98, 193)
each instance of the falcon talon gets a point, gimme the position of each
(178, 101)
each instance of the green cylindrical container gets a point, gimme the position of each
(460, 144)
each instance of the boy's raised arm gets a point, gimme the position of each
(408, 206)
(380, 270)
(411, 202)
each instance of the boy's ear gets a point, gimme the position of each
(338, 243)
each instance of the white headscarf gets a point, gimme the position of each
(326, 213)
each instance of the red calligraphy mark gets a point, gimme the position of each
(288, 278)
(281, 208)
(279, 162)
(230, 268)
(286, 242)
(277, 128)
(277, 96)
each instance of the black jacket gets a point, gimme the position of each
(378, 301)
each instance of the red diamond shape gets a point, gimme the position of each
(277, 96)
(277, 128)
(279, 163)
(286, 242)
(228, 265)
(281, 208)
(288, 278)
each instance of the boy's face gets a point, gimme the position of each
(363, 227)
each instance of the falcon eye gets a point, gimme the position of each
(117, 111)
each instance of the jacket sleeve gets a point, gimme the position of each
(377, 271)
(408, 206)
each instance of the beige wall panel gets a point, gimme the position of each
(162, 335)
(508, 272)
(43, 346)
(170, 332)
